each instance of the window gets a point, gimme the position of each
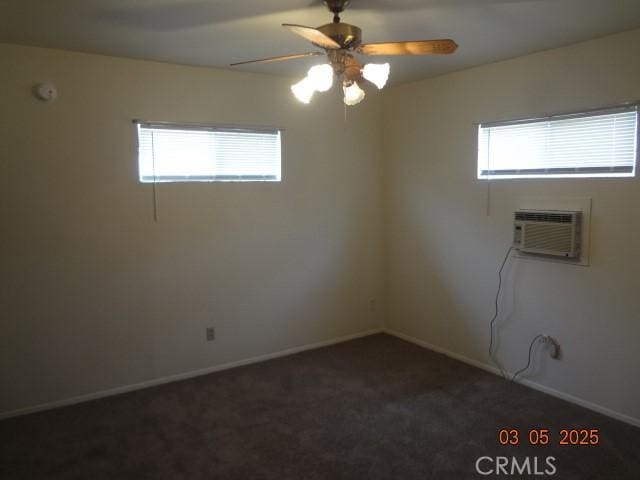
(603, 143)
(184, 153)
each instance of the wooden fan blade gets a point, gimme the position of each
(277, 59)
(313, 35)
(418, 47)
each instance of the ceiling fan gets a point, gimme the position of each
(340, 41)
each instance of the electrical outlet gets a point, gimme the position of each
(211, 334)
(372, 305)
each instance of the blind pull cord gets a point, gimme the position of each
(488, 202)
(153, 167)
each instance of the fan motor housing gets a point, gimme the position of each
(348, 36)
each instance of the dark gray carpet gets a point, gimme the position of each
(374, 408)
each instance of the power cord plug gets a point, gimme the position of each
(552, 346)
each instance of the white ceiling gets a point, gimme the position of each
(218, 32)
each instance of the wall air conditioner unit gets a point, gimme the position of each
(548, 232)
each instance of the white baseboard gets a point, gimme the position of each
(182, 376)
(282, 353)
(536, 386)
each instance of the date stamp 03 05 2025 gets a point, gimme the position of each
(506, 466)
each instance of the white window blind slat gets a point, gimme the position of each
(603, 143)
(185, 153)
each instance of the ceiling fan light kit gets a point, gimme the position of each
(353, 94)
(340, 41)
(377, 74)
(321, 77)
(303, 90)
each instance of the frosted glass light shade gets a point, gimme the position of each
(303, 90)
(376, 73)
(321, 77)
(353, 94)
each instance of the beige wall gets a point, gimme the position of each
(445, 251)
(96, 295)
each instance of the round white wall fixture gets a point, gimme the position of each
(46, 91)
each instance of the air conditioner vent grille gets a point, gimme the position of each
(544, 217)
(550, 238)
(548, 232)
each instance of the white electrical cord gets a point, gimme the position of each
(535, 339)
(495, 316)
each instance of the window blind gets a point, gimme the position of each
(183, 153)
(602, 143)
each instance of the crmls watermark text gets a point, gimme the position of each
(510, 466)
